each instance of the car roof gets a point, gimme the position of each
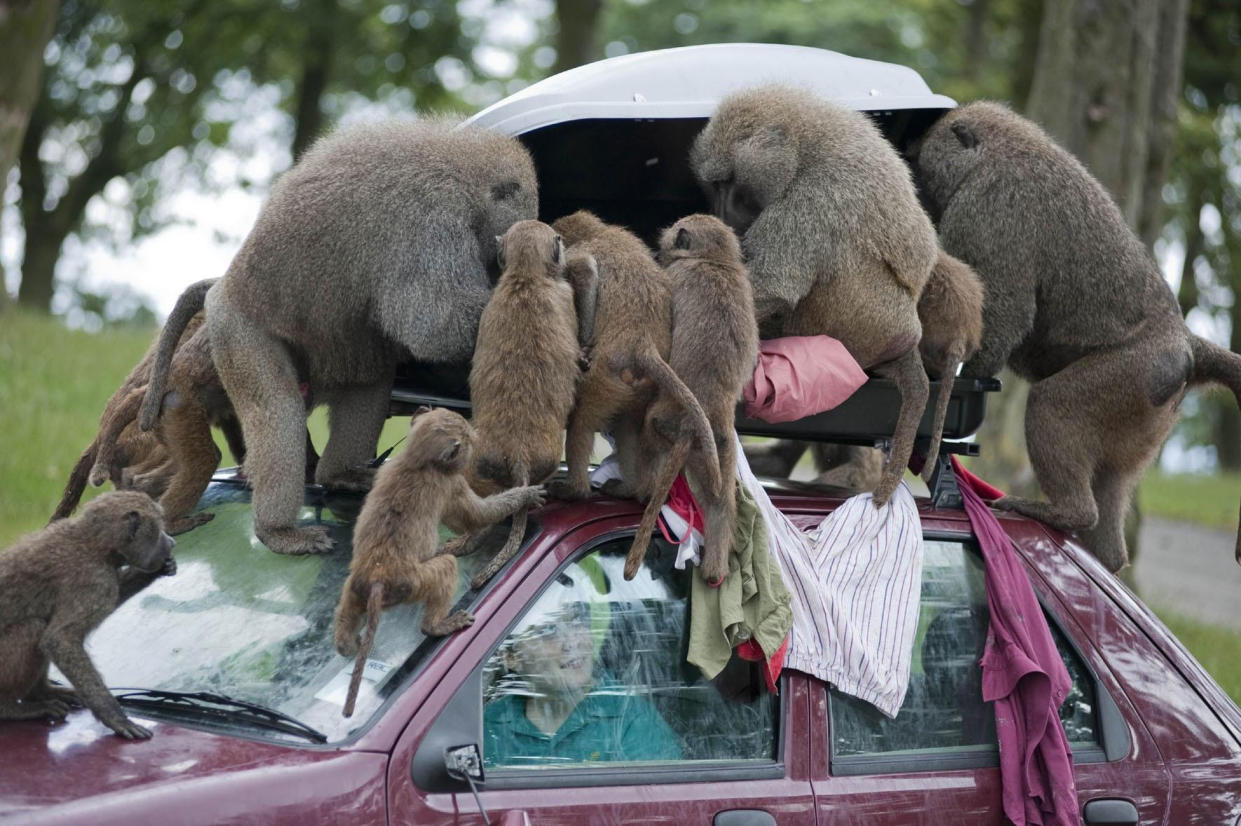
(688, 82)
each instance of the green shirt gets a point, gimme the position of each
(607, 725)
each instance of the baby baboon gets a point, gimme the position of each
(714, 347)
(525, 369)
(951, 313)
(56, 586)
(632, 334)
(834, 238)
(373, 248)
(1075, 304)
(395, 538)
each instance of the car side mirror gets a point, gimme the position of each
(464, 763)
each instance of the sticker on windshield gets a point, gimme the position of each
(336, 688)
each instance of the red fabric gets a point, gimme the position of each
(800, 376)
(984, 489)
(681, 500)
(750, 650)
(1022, 673)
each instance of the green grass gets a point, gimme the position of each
(53, 385)
(1218, 649)
(1204, 500)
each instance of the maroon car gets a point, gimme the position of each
(231, 662)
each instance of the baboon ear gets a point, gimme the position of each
(682, 240)
(449, 453)
(500, 251)
(557, 250)
(504, 189)
(965, 135)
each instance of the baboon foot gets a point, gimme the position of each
(37, 708)
(458, 546)
(449, 625)
(64, 694)
(188, 523)
(124, 727)
(356, 479)
(619, 488)
(1062, 518)
(566, 491)
(296, 541)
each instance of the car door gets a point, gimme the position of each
(938, 761)
(579, 697)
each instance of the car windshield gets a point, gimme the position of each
(240, 621)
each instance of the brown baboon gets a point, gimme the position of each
(951, 313)
(375, 247)
(632, 334)
(56, 586)
(395, 538)
(525, 370)
(1075, 304)
(714, 347)
(834, 238)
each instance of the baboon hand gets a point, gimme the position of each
(533, 496)
(170, 567)
(124, 727)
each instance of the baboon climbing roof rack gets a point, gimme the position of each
(614, 137)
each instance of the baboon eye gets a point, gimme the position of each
(133, 520)
(682, 242)
(504, 189)
(965, 135)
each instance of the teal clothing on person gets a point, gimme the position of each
(606, 726)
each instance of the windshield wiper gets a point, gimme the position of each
(208, 705)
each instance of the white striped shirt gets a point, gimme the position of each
(855, 582)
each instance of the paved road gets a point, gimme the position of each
(1191, 570)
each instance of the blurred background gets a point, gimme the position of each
(138, 139)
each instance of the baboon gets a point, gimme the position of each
(395, 538)
(714, 347)
(834, 238)
(377, 246)
(951, 313)
(632, 334)
(56, 586)
(1075, 304)
(525, 369)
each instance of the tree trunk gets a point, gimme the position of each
(579, 29)
(1187, 293)
(42, 251)
(321, 42)
(25, 27)
(1165, 96)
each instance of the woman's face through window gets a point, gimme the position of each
(557, 656)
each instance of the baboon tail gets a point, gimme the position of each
(374, 607)
(673, 464)
(190, 302)
(77, 482)
(516, 531)
(110, 431)
(1213, 363)
(941, 415)
(651, 364)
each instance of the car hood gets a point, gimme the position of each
(78, 771)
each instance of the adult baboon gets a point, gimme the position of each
(56, 586)
(373, 248)
(1075, 304)
(525, 369)
(714, 347)
(632, 335)
(396, 536)
(835, 240)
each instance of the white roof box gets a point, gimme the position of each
(690, 81)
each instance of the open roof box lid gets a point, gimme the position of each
(614, 137)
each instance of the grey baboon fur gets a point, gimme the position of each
(56, 586)
(375, 247)
(629, 349)
(525, 370)
(1075, 304)
(835, 240)
(714, 347)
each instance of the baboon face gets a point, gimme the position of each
(442, 439)
(531, 245)
(946, 155)
(509, 199)
(745, 158)
(698, 236)
(137, 522)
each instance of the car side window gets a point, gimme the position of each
(594, 674)
(943, 710)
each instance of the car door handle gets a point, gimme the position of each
(1111, 812)
(744, 817)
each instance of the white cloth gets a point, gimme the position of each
(855, 582)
